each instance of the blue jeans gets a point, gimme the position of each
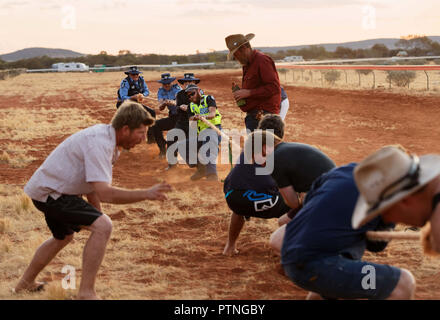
(340, 277)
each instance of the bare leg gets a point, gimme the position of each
(235, 227)
(44, 254)
(284, 219)
(276, 239)
(93, 255)
(405, 288)
(314, 296)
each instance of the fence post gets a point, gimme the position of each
(427, 80)
(374, 79)
(346, 78)
(322, 80)
(293, 75)
(359, 74)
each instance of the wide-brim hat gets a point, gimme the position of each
(188, 77)
(166, 78)
(235, 41)
(388, 176)
(133, 70)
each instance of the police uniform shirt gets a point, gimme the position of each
(125, 87)
(169, 95)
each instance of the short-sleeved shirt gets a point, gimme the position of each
(298, 165)
(243, 177)
(84, 157)
(322, 228)
(125, 88)
(169, 95)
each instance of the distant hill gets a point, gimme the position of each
(364, 44)
(39, 52)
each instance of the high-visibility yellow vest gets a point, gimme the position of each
(203, 110)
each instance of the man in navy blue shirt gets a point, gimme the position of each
(134, 87)
(166, 95)
(323, 245)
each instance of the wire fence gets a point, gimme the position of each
(4, 74)
(420, 78)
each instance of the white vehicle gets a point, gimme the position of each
(293, 59)
(70, 66)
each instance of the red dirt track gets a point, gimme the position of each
(347, 125)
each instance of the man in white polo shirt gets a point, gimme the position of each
(82, 165)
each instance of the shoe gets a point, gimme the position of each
(212, 177)
(197, 176)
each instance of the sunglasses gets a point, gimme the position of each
(191, 94)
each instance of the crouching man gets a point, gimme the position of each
(82, 165)
(324, 243)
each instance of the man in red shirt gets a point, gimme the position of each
(260, 84)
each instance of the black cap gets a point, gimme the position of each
(191, 87)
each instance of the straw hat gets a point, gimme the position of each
(235, 41)
(386, 177)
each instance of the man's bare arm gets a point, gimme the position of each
(109, 194)
(94, 200)
(290, 197)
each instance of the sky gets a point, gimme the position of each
(188, 26)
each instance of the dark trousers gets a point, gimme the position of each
(210, 167)
(161, 125)
(150, 132)
(251, 120)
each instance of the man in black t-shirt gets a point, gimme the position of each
(250, 195)
(295, 166)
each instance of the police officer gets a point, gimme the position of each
(204, 106)
(135, 88)
(166, 95)
(182, 113)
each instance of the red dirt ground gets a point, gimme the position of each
(347, 125)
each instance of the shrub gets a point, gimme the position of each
(401, 78)
(332, 76)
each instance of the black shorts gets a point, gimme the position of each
(250, 203)
(67, 214)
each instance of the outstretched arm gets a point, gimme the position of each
(107, 193)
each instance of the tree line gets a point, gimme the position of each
(419, 46)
